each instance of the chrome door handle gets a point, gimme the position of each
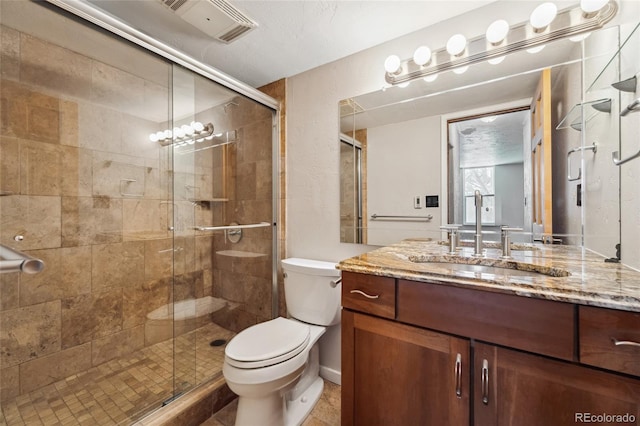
(368, 296)
(458, 375)
(624, 342)
(485, 382)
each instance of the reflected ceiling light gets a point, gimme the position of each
(186, 134)
(392, 64)
(546, 24)
(543, 15)
(405, 84)
(456, 45)
(430, 78)
(461, 70)
(497, 31)
(590, 7)
(489, 119)
(536, 49)
(422, 55)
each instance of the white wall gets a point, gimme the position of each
(403, 161)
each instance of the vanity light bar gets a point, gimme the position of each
(568, 23)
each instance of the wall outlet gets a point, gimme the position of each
(416, 202)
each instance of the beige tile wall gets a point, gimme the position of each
(94, 199)
(71, 144)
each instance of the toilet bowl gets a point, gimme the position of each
(274, 366)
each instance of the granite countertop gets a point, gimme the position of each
(566, 273)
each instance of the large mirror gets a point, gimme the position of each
(519, 131)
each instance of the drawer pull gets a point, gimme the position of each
(485, 382)
(624, 342)
(458, 375)
(368, 296)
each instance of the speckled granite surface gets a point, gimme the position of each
(562, 273)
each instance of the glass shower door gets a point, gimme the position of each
(223, 213)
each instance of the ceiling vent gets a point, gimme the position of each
(216, 18)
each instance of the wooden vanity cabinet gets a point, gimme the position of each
(457, 356)
(521, 389)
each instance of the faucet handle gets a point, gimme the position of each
(452, 230)
(506, 242)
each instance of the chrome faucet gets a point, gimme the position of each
(478, 236)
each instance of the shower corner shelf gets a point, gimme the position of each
(574, 118)
(628, 85)
(206, 202)
(602, 82)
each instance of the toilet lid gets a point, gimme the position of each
(267, 343)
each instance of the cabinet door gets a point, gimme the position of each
(395, 374)
(519, 389)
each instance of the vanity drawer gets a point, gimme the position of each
(369, 294)
(535, 325)
(600, 328)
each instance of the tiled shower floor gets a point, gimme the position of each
(119, 391)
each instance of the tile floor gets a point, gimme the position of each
(325, 413)
(112, 393)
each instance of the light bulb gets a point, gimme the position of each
(153, 137)
(179, 132)
(496, 61)
(190, 141)
(197, 126)
(536, 49)
(461, 70)
(543, 15)
(188, 130)
(430, 78)
(392, 64)
(592, 6)
(422, 55)
(456, 44)
(200, 140)
(160, 135)
(497, 31)
(167, 134)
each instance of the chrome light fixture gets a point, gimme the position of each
(187, 134)
(546, 24)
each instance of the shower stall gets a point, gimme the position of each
(145, 186)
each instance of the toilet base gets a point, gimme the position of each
(299, 409)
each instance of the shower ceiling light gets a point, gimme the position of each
(524, 36)
(183, 135)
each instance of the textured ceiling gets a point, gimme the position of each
(292, 36)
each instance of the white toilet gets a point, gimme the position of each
(273, 366)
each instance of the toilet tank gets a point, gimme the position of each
(309, 293)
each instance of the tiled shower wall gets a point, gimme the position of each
(89, 193)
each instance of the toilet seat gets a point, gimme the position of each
(267, 343)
